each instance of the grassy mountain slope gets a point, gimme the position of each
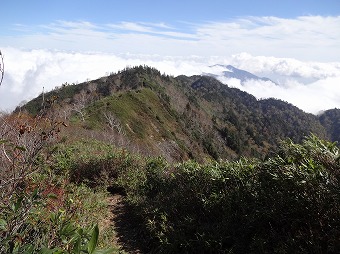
(184, 117)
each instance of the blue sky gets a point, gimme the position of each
(37, 12)
(304, 29)
(294, 42)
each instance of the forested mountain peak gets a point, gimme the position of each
(177, 117)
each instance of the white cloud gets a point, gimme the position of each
(313, 98)
(306, 37)
(288, 67)
(312, 38)
(312, 86)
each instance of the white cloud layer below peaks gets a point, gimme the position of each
(311, 86)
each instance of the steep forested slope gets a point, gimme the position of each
(330, 119)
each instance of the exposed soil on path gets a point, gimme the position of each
(128, 235)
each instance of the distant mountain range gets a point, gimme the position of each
(181, 117)
(229, 71)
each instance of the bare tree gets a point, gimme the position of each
(2, 67)
(22, 138)
(92, 88)
(66, 111)
(80, 104)
(113, 122)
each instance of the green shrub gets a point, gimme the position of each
(287, 203)
(40, 211)
(54, 220)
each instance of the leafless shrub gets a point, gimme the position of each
(22, 139)
(113, 122)
(2, 68)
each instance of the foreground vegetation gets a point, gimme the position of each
(287, 203)
(54, 197)
(42, 211)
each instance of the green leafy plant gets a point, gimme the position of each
(286, 203)
(37, 212)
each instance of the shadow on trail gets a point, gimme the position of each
(129, 231)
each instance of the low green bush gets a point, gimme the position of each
(52, 219)
(288, 203)
(46, 213)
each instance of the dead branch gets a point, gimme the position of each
(2, 67)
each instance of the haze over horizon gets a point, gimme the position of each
(294, 43)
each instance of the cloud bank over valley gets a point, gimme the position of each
(311, 86)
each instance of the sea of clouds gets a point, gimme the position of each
(311, 86)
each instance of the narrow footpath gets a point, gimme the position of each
(128, 237)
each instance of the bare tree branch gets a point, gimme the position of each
(113, 122)
(2, 67)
